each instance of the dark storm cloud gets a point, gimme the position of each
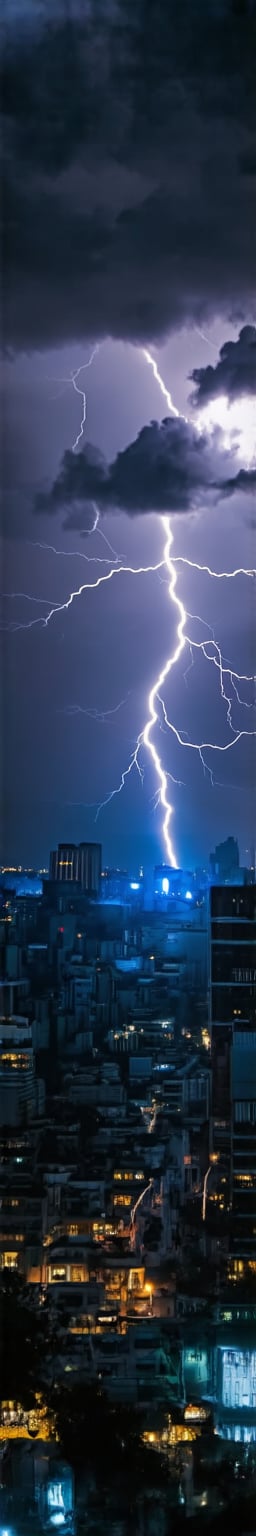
(129, 138)
(244, 481)
(168, 468)
(234, 374)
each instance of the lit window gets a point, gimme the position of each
(122, 1200)
(10, 1260)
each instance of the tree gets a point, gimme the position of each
(24, 1341)
(93, 1432)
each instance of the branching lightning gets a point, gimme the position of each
(72, 554)
(209, 648)
(87, 586)
(101, 715)
(72, 379)
(218, 575)
(162, 386)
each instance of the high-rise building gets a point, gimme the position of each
(17, 1073)
(224, 862)
(233, 1044)
(64, 862)
(79, 865)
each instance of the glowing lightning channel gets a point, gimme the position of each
(74, 376)
(218, 575)
(72, 379)
(162, 386)
(155, 691)
(91, 586)
(195, 746)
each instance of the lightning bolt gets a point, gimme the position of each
(217, 575)
(154, 696)
(72, 379)
(157, 712)
(73, 554)
(162, 386)
(87, 586)
(101, 715)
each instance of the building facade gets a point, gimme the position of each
(233, 1046)
(78, 864)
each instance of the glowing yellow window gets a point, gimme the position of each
(122, 1200)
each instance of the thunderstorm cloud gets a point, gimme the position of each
(234, 374)
(169, 467)
(129, 137)
(244, 481)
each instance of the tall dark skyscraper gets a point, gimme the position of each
(80, 865)
(233, 1034)
(224, 861)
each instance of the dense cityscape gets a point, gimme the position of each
(128, 1171)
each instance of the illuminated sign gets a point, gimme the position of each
(245, 976)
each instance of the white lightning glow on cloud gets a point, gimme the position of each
(237, 422)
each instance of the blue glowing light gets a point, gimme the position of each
(188, 895)
(134, 885)
(165, 886)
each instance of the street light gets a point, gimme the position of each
(214, 1158)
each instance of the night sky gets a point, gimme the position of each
(129, 206)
